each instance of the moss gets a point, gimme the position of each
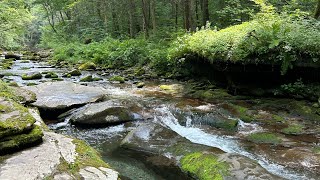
(87, 156)
(7, 92)
(139, 72)
(75, 72)
(140, 85)
(316, 149)
(13, 84)
(51, 75)
(117, 79)
(57, 79)
(166, 87)
(31, 76)
(204, 166)
(87, 66)
(241, 112)
(293, 129)
(230, 124)
(13, 143)
(24, 61)
(264, 138)
(90, 79)
(32, 84)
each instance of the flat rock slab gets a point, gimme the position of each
(62, 95)
(108, 112)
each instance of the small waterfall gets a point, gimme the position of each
(225, 143)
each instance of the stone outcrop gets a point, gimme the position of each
(63, 95)
(104, 113)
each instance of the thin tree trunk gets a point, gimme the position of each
(145, 23)
(153, 14)
(205, 12)
(187, 11)
(317, 13)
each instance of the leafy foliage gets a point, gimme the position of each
(14, 18)
(269, 38)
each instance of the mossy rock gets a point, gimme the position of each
(211, 94)
(31, 76)
(24, 61)
(140, 85)
(293, 129)
(204, 166)
(87, 66)
(90, 79)
(10, 144)
(240, 112)
(264, 138)
(51, 75)
(173, 88)
(117, 79)
(14, 118)
(139, 72)
(75, 72)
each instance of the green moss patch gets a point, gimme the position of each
(87, 156)
(204, 166)
(264, 138)
(117, 79)
(293, 129)
(31, 76)
(87, 66)
(17, 142)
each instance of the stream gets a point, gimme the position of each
(190, 118)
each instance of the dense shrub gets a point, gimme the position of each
(269, 38)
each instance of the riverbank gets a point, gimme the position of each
(192, 120)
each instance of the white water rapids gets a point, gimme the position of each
(225, 143)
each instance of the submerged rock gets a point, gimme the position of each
(109, 112)
(63, 95)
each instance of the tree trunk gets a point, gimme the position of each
(317, 14)
(187, 14)
(205, 12)
(145, 23)
(153, 14)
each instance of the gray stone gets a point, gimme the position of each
(92, 173)
(61, 95)
(107, 112)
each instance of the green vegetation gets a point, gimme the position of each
(270, 39)
(294, 129)
(264, 138)
(31, 76)
(117, 79)
(87, 156)
(204, 166)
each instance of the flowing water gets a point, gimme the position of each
(178, 114)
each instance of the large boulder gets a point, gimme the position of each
(63, 95)
(159, 144)
(104, 113)
(58, 157)
(17, 129)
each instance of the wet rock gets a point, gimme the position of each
(89, 79)
(172, 89)
(98, 173)
(17, 129)
(140, 85)
(75, 72)
(31, 76)
(12, 55)
(25, 96)
(87, 66)
(62, 95)
(58, 157)
(243, 168)
(109, 112)
(51, 75)
(117, 79)
(154, 138)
